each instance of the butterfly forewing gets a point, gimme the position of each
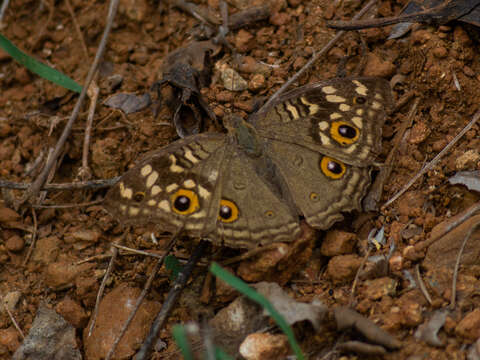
(174, 187)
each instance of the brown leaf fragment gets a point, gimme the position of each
(362, 348)
(347, 318)
(471, 179)
(428, 331)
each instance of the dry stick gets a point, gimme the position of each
(3, 9)
(141, 252)
(314, 58)
(171, 300)
(357, 276)
(249, 254)
(102, 289)
(68, 206)
(421, 284)
(142, 296)
(14, 322)
(435, 159)
(40, 180)
(466, 215)
(34, 238)
(77, 29)
(373, 197)
(92, 184)
(457, 264)
(84, 172)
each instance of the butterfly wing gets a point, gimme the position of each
(255, 207)
(174, 186)
(341, 118)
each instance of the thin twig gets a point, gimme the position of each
(92, 184)
(249, 254)
(373, 197)
(421, 284)
(436, 159)
(93, 92)
(465, 216)
(457, 264)
(140, 299)
(41, 178)
(314, 58)
(68, 206)
(14, 322)
(102, 289)
(34, 238)
(3, 9)
(139, 252)
(357, 276)
(77, 29)
(171, 300)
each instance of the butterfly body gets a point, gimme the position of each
(308, 155)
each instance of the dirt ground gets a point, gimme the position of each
(436, 66)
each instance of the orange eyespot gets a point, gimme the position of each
(314, 196)
(332, 168)
(138, 196)
(344, 133)
(228, 211)
(269, 213)
(184, 202)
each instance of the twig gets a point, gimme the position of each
(3, 9)
(457, 264)
(77, 29)
(373, 197)
(14, 322)
(40, 180)
(357, 276)
(421, 284)
(314, 58)
(139, 252)
(92, 184)
(196, 12)
(249, 254)
(435, 159)
(140, 299)
(171, 300)
(68, 206)
(102, 289)
(34, 238)
(93, 92)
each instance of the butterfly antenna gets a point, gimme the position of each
(171, 300)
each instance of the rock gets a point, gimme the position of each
(87, 235)
(46, 250)
(15, 243)
(338, 242)
(135, 10)
(440, 52)
(468, 159)
(376, 66)
(264, 346)
(410, 204)
(9, 338)
(257, 82)
(8, 215)
(114, 310)
(231, 79)
(244, 41)
(10, 300)
(72, 312)
(61, 275)
(233, 323)
(343, 267)
(469, 326)
(419, 133)
(377, 288)
(50, 337)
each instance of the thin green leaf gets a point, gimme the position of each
(37, 67)
(246, 290)
(180, 337)
(221, 355)
(173, 265)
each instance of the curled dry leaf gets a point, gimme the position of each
(350, 319)
(428, 331)
(471, 179)
(186, 70)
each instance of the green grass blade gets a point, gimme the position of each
(246, 290)
(221, 355)
(37, 67)
(180, 336)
